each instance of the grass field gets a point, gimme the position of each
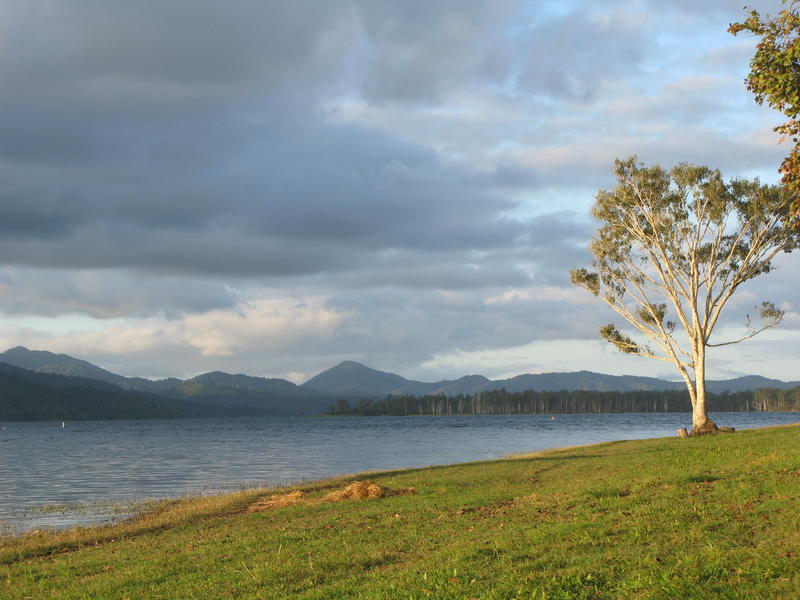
(713, 517)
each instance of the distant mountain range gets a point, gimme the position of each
(36, 384)
(33, 396)
(42, 361)
(30, 376)
(354, 378)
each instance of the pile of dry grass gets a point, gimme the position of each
(358, 490)
(276, 501)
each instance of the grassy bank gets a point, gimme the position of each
(713, 517)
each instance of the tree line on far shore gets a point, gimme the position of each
(502, 402)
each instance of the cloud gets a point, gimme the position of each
(241, 335)
(577, 56)
(103, 294)
(177, 54)
(272, 187)
(419, 53)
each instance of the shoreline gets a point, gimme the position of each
(150, 504)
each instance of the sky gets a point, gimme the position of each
(274, 187)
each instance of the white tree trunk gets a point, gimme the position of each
(700, 422)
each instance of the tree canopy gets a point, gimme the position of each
(670, 251)
(774, 78)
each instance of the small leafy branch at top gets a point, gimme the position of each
(774, 78)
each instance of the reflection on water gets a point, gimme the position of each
(110, 463)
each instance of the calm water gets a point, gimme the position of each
(107, 462)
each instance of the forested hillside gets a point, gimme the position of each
(29, 396)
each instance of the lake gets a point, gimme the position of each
(79, 474)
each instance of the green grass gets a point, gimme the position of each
(713, 517)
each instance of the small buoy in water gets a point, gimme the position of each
(552, 418)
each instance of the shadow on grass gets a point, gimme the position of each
(394, 473)
(564, 457)
(698, 478)
(607, 492)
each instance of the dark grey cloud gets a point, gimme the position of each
(422, 52)
(575, 57)
(179, 53)
(107, 294)
(30, 212)
(417, 258)
(132, 137)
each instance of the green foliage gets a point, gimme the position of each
(769, 311)
(585, 279)
(774, 78)
(623, 343)
(712, 517)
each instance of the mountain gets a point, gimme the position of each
(42, 361)
(749, 382)
(211, 394)
(31, 396)
(350, 377)
(583, 380)
(464, 385)
(207, 384)
(56, 380)
(220, 382)
(58, 364)
(358, 380)
(236, 392)
(355, 379)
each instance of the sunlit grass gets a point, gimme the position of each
(708, 517)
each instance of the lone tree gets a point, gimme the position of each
(775, 78)
(670, 251)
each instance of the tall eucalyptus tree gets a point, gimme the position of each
(670, 251)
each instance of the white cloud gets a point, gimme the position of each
(258, 327)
